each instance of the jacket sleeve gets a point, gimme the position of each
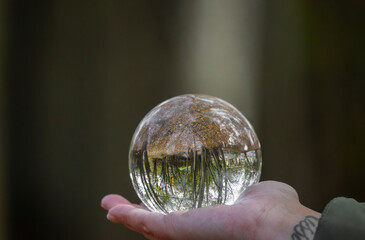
(342, 218)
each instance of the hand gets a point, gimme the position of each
(267, 210)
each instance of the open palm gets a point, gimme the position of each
(267, 210)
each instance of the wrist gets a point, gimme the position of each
(305, 224)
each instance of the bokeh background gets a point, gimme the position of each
(76, 77)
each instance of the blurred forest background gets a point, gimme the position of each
(76, 77)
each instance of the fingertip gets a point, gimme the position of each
(112, 200)
(112, 218)
(121, 210)
(132, 215)
(105, 200)
(140, 220)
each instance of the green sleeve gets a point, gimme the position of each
(342, 218)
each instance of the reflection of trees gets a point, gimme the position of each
(193, 180)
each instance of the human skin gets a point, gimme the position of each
(266, 210)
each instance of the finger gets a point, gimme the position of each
(141, 205)
(151, 224)
(113, 200)
(112, 218)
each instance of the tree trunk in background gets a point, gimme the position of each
(313, 98)
(335, 59)
(81, 76)
(219, 48)
(3, 163)
(286, 130)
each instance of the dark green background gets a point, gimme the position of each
(78, 76)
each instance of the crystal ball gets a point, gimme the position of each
(193, 151)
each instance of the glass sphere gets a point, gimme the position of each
(193, 151)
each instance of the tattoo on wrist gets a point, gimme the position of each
(305, 229)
